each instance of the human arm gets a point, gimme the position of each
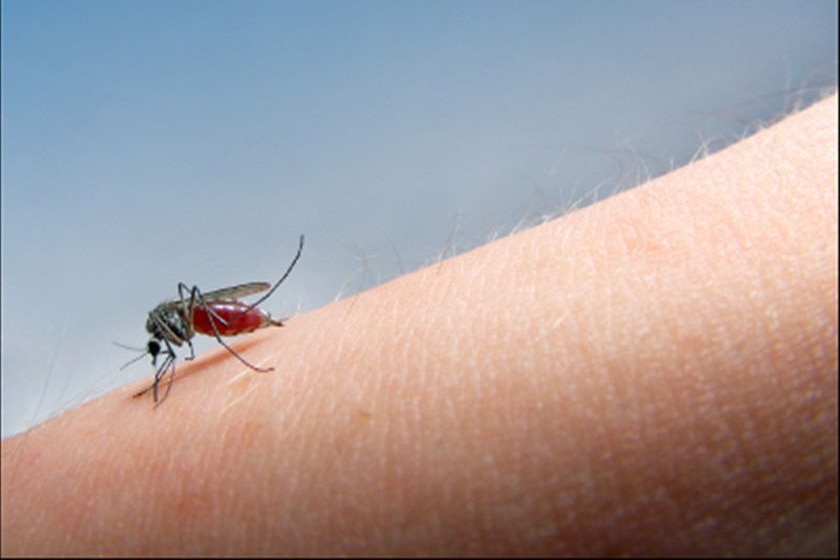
(653, 375)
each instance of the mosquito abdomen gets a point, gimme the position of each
(230, 318)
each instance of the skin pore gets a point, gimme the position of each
(655, 374)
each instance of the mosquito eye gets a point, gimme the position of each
(154, 348)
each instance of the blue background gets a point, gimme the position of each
(150, 142)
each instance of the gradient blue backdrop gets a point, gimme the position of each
(154, 141)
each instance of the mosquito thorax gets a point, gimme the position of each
(166, 322)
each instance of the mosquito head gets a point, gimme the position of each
(153, 349)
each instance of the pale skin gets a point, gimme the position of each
(653, 375)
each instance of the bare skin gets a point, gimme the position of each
(653, 375)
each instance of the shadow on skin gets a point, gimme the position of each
(185, 368)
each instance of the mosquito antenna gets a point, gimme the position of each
(149, 349)
(277, 285)
(127, 347)
(137, 359)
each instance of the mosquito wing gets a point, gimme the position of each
(236, 292)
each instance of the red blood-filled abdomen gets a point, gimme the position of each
(229, 318)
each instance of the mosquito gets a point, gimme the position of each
(218, 313)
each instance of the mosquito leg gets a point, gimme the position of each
(169, 385)
(153, 386)
(167, 366)
(235, 354)
(282, 278)
(158, 376)
(184, 289)
(168, 362)
(197, 296)
(228, 348)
